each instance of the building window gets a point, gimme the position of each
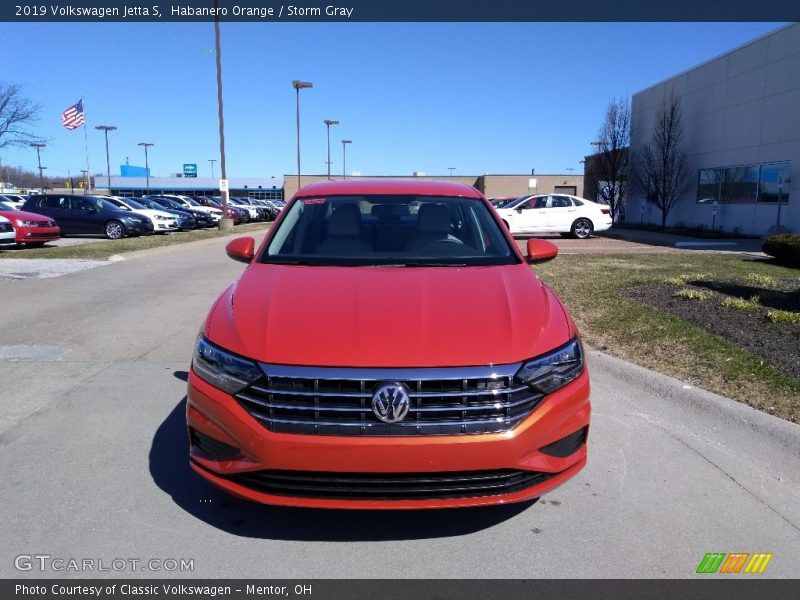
(771, 175)
(745, 184)
(740, 185)
(708, 187)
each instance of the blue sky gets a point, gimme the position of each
(483, 98)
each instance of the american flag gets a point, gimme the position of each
(73, 116)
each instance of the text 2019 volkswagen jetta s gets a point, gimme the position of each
(388, 346)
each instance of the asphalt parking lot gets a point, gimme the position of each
(93, 367)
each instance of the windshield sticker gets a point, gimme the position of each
(314, 201)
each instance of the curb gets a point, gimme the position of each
(726, 410)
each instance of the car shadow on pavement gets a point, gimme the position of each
(169, 467)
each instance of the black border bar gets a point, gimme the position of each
(701, 588)
(274, 11)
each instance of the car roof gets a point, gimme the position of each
(389, 187)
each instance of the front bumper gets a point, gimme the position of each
(515, 455)
(27, 235)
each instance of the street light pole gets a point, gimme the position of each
(299, 85)
(226, 222)
(212, 161)
(328, 123)
(106, 129)
(39, 146)
(451, 169)
(344, 157)
(146, 163)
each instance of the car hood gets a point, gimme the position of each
(25, 216)
(388, 317)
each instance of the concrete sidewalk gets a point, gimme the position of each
(685, 242)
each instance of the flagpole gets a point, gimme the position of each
(86, 148)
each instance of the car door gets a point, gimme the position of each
(531, 216)
(86, 215)
(56, 207)
(560, 213)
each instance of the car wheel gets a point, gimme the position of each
(582, 229)
(114, 230)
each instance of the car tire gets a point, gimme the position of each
(115, 230)
(35, 244)
(582, 229)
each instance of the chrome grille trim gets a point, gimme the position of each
(338, 401)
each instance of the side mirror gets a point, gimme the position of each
(241, 249)
(519, 210)
(540, 251)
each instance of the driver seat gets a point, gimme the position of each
(433, 225)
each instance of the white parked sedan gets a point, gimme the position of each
(162, 221)
(556, 213)
(7, 233)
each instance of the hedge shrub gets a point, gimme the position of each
(784, 247)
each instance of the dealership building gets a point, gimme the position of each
(741, 122)
(285, 187)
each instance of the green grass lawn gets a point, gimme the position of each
(102, 250)
(648, 337)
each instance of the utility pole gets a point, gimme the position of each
(105, 129)
(299, 85)
(226, 222)
(39, 146)
(146, 163)
(328, 123)
(344, 157)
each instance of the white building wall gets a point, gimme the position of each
(742, 108)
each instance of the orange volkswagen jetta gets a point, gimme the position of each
(388, 346)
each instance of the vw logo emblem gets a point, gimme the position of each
(391, 402)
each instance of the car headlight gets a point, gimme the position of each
(554, 370)
(22, 223)
(222, 369)
(161, 218)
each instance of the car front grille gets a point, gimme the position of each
(6, 227)
(446, 401)
(389, 486)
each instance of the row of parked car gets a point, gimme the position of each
(40, 218)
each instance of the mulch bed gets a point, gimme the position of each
(777, 343)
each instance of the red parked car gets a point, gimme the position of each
(388, 346)
(31, 229)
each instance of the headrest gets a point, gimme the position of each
(433, 218)
(381, 211)
(345, 221)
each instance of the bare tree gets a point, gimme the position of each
(17, 113)
(663, 167)
(610, 167)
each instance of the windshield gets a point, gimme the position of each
(134, 204)
(515, 202)
(147, 203)
(389, 230)
(105, 204)
(6, 206)
(171, 203)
